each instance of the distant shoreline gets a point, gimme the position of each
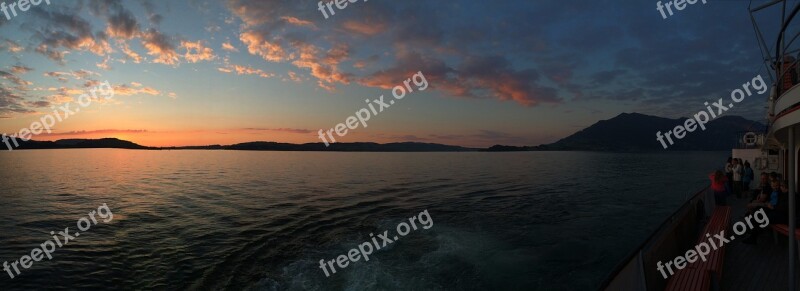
(400, 147)
(627, 133)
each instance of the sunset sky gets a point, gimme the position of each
(500, 72)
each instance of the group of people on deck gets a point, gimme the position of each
(772, 194)
(736, 178)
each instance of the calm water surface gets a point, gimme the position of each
(263, 220)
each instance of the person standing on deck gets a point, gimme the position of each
(729, 173)
(718, 181)
(765, 186)
(737, 178)
(747, 178)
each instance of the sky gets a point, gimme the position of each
(500, 72)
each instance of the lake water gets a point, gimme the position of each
(263, 220)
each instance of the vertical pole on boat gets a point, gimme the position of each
(792, 175)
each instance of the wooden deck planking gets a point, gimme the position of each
(760, 267)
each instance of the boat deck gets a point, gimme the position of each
(756, 267)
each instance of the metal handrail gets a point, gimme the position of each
(637, 251)
(780, 49)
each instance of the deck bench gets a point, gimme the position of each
(690, 279)
(700, 275)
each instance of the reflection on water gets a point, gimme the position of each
(263, 220)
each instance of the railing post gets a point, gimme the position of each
(641, 270)
(792, 176)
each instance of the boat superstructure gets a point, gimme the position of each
(783, 116)
(771, 149)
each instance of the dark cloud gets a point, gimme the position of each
(160, 47)
(289, 130)
(68, 31)
(100, 131)
(14, 79)
(605, 77)
(123, 25)
(20, 69)
(39, 104)
(152, 15)
(11, 103)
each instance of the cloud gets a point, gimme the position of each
(94, 83)
(495, 75)
(227, 46)
(39, 104)
(66, 91)
(94, 132)
(122, 25)
(20, 69)
(294, 77)
(60, 76)
(77, 75)
(419, 45)
(11, 46)
(65, 94)
(258, 45)
(257, 12)
(324, 66)
(125, 90)
(14, 79)
(363, 64)
(68, 31)
(298, 22)
(245, 70)
(476, 76)
(288, 130)
(152, 15)
(196, 51)
(365, 27)
(81, 74)
(608, 76)
(57, 56)
(104, 64)
(10, 102)
(129, 53)
(159, 46)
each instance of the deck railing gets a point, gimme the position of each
(671, 238)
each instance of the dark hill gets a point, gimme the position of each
(79, 144)
(637, 132)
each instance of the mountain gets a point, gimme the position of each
(637, 132)
(79, 144)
